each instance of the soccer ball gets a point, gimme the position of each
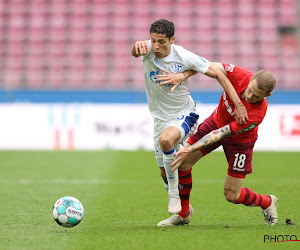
(68, 211)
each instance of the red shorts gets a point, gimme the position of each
(238, 155)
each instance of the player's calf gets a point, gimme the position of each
(268, 203)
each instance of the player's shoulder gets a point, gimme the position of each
(178, 49)
(188, 56)
(237, 73)
(232, 68)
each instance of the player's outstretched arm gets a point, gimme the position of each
(174, 78)
(217, 71)
(140, 48)
(207, 140)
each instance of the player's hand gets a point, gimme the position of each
(181, 155)
(171, 78)
(241, 114)
(141, 47)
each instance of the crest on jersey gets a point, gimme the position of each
(229, 67)
(176, 67)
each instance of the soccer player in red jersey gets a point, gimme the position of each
(237, 140)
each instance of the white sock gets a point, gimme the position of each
(172, 176)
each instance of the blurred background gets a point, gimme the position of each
(86, 44)
(79, 51)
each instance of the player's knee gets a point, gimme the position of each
(231, 196)
(185, 166)
(165, 142)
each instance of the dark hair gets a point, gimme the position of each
(265, 81)
(163, 26)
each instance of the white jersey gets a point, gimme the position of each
(162, 103)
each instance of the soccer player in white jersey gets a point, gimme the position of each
(173, 110)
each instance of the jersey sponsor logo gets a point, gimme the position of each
(229, 67)
(253, 125)
(176, 67)
(153, 76)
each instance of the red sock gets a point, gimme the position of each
(249, 198)
(185, 187)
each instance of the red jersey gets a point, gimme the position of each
(223, 114)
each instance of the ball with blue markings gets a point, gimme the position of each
(68, 211)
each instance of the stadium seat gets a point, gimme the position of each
(249, 61)
(288, 13)
(203, 82)
(14, 46)
(245, 8)
(226, 8)
(12, 78)
(79, 6)
(269, 48)
(97, 36)
(16, 7)
(14, 61)
(41, 7)
(35, 77)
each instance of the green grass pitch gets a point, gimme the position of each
(124, 198)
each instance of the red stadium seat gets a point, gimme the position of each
(55, 48)
(40, 7)
(17, 7)
(79, 6)
(288, 13)
(15, 47)
(15, 61)
(78, 44)
(248, 61)
(34, 77)
(12, 78)
(55, 60)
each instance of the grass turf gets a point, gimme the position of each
(124, 198)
